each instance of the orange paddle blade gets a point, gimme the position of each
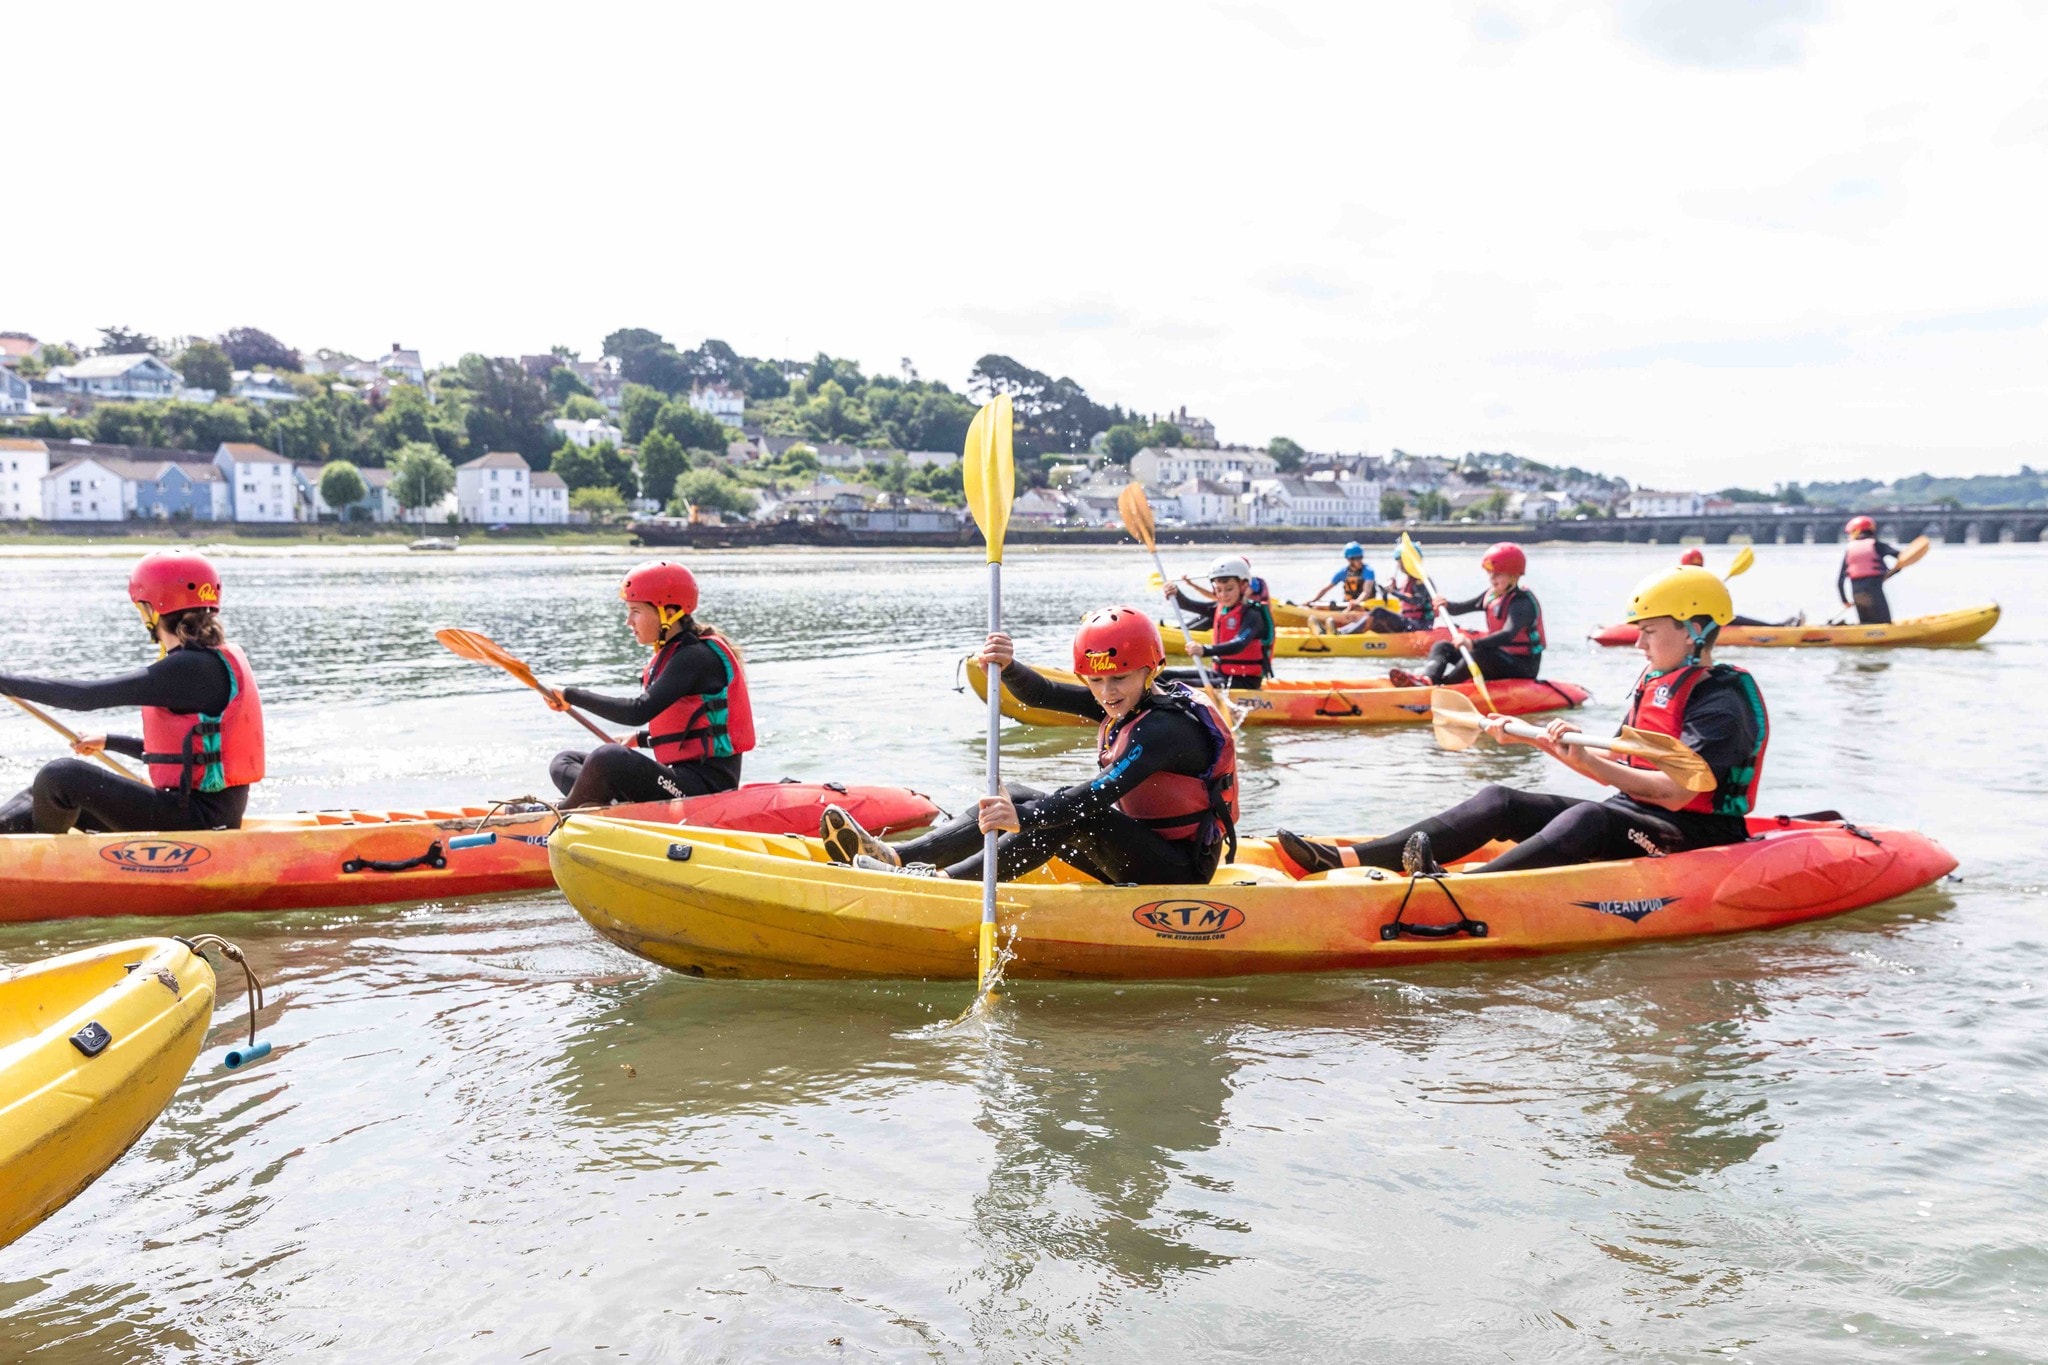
(481, 648)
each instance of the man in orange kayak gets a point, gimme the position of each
(1713, 709)
(202, 721)
(1695, 558)
(694, 711)
(1863, 572)
(1159, 810)
(1512, 646)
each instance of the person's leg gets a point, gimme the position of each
(961, 836)
(72, 791)
(1872, 607)
(18, 813)
(1589, 832)
(1380, 621)
(1444, 666)
(1111, 848)
(611, 773)
(1499, 665)
(565, 767)
(1494, 812)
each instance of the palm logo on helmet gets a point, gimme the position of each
(1117, 640)
(172, 581)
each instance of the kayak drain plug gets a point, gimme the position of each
(239, 1057)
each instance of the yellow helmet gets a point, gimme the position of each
(1683, 593)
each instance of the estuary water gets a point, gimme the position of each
(487, 1134)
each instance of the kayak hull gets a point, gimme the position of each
(65, 1117)
(1949, 628)
(328, 858)
(721, 904)
(1296, 614)
(1315, 702)
(1298, 643)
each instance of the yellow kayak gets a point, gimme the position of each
(1292, 642)
(1298, 614)
(1947, 628)
(92, 1047)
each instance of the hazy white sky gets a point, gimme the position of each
(1689, 241)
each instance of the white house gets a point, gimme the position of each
(726, 404)
(139, 375)
(1204, 502)
(1166, 468)
(262, 387)
(939, 459)
(23, 464)
(16, 347)
(87, 490)
(17, 396)
(1651, 502)
(591, 431)
(1197, 431)
(261, 486)
(1040, 507)
(376, 505)
(1303, 502)
(496, 487)
(550, 505)
(405, 363)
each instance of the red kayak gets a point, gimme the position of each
(353, 857)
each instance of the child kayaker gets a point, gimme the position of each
(1417, 612)
(1512, 646)
(1160, 809)
(1714, 709)
(202, 721)
(1241, 641)
(1355, 579)
(1863, 572)
(1695, 558)
(695, 715)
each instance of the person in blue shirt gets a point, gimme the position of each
(1355, 578)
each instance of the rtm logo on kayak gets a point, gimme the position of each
(1632, 911)
(155, 855)
(1189, 919)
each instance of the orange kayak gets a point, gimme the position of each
(354, 857)
(1306, 701)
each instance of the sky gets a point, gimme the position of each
(1691, 242)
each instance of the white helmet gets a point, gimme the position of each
(1231, 566)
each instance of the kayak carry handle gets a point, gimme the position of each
(433, 857)
(1464, 924)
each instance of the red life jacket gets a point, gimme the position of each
(706, 725)
(188, 752)
(1253, 659)
(1658, 705)
(1175, 805)
(1415, 604)
(1863, 560)
(1525, 642)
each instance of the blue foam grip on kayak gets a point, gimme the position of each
(471, 841)
(241, 1056)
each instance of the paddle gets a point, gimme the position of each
(1744, 558)
(989, 473)
(61, 728)
(1411, 564)
(480, 648)
(1459, 724)
(1136, 511)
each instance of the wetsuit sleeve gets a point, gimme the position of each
(1466, 607)
(1842, 580)
(1201, 615)
(1721, 726)
(1521, 617)
(124, 744)
(193, 681)
(695, 670)
(1033, 688)
(1164, 742)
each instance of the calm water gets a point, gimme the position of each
(487, 1135)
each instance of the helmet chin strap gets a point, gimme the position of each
(1700, 641)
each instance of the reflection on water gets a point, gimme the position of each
(487, 1134)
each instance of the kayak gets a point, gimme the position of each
(1300, 614)
(92, 1047)
(1303, 701)
(1291, 642)
(358, 857)
(713, 903)
(1948, 628)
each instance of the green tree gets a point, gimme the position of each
(579, 467)
(581, 407)
(342, 486)
(895, 476)
(1493, 506)
(599, 502)
(710, 490)
(690, 427)
(127, 341)
(1286, 453)
(1123, 441)
(641, 407)
(662, 458)
(420, 476)
(564, 384)
(59, 353)
(941, 483)
(206, 366)
(249, 347)
(409, 415)
(508, 408)
(1431, 505)
(1393, 507)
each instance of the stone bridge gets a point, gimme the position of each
(1970, 525)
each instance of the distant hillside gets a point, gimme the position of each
(2024, 489)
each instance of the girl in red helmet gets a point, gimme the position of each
(202, 721)
(695, 715)
(1863, 572)
(1159, 810)
(1512, 646)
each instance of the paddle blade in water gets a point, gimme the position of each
(1456, 721)
(989, 473)
(1136, 511)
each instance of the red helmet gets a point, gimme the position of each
(1116, 640)
(173, 580)
(1506, 557)
(1694, 558)
(663, 585)
(1861, 526)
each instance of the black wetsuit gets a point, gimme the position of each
(613, 772)
(1724, 725)
(1867, 594)
(1446, 666)
(1081, 824)
(1201, 615)
(84, 793)
(1380, 621)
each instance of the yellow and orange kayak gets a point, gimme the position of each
(1291, 642)
(362, 857)
(1948, 628)
(92, 1047)
(1298, 614)
(1314, 701)
(724, 904)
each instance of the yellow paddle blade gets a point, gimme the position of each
(1744, 558)
(1912, 554)
(989, 471)
(1456, 721)
(1136, 511)
(481, 648)
(1670, 757)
